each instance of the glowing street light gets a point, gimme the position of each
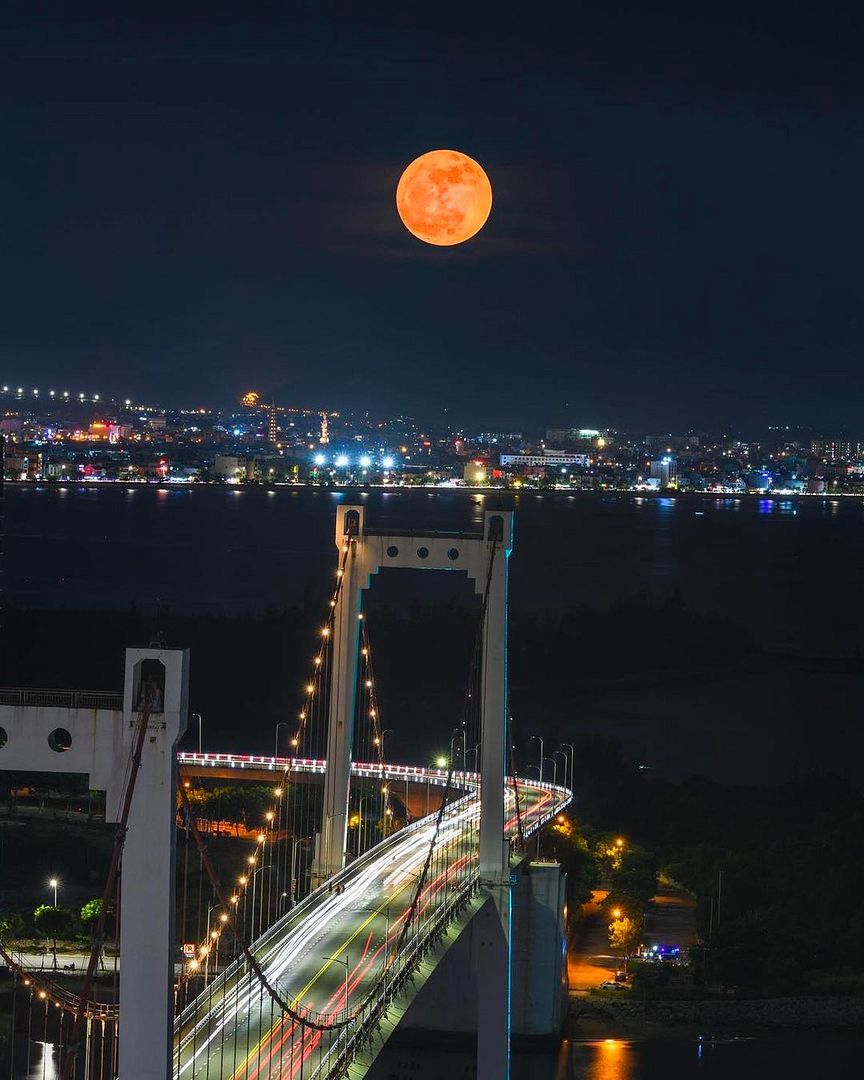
(53, 884)
(388, 462)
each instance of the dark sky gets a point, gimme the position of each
(198, 200)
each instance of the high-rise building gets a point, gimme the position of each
(837, 449)
(665, 470)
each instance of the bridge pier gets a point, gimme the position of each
(95, 735)
(448, 1009)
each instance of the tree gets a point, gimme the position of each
(53, 922)
(91, 912)
(624, 934)
(11, 924)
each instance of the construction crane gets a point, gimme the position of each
(252, 400)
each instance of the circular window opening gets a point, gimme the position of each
(4, 738)
(422, 553)
(59, 740)
(453, 554)
(392, 551)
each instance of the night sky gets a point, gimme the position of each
(199, 200)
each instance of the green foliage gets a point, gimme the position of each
(52, 922)
(567, 842)
(91, 911)
(792, 866)
(624, 934)
(11, 924)
(241, 804)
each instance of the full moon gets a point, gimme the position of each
(444, 197)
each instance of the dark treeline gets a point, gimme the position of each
(247, 672)
(784, 916)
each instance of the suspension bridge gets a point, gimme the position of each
(353, 888)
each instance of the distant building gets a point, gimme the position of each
(549, 459)
(665, 471)
(23, 466)
(837, 449)
(564, 437)
(231, 467)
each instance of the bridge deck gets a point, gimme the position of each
(234, 1030)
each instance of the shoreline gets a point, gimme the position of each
(711, 1019)
(671, 493)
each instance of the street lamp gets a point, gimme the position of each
(379, 741)
(339, 960)
(569, 746)
(539, 738)
(52, 884)
(197, 716)
(282, 723)
(555, 755)
(554, 765)
(458, 734)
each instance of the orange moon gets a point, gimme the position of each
(444, 197)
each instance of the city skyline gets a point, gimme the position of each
(209, 202)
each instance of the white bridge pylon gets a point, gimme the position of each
(482, 556)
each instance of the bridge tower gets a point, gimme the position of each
(88, 735)
(483, 556)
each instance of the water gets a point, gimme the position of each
(789, 570)
(790, 1056)
(786, 572)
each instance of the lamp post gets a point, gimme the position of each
(539, 738)
(339, 960)
(555, 755)
(384, 733)
(554, 765)
(457, 734)
(53, 884)
(569, 746)
(197, 716)
(282, 723)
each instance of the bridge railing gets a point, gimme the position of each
(62, 699)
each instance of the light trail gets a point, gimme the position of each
(230, 1031)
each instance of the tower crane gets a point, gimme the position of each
(252, 400)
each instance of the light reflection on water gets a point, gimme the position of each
(43, 1063)
(612, 1060)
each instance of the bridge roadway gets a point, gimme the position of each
(234, 1031)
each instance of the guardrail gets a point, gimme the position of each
(62, 699)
